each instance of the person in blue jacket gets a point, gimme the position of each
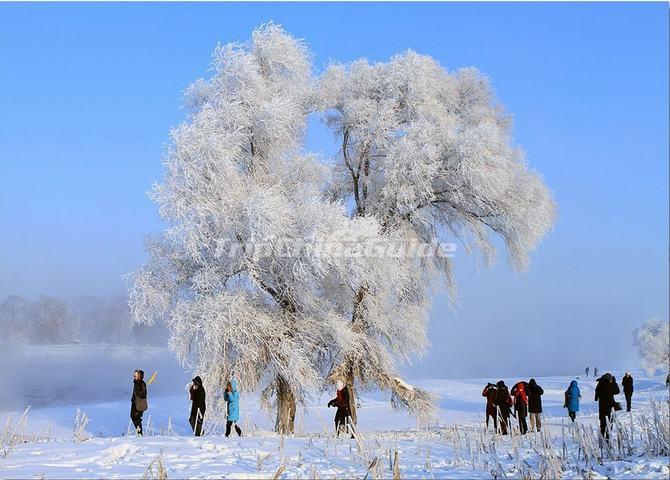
(232, 398)
(572, 397)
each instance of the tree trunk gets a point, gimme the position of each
(358, 326)
(352, 394)
(285, 423)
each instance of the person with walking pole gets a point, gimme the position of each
(198, 406)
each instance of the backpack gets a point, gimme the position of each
(141, 404)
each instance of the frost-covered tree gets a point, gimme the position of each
(88, 309)
(108, 320)
(429, 154)
(246, 276)
(115, 323)
(14, 322)
(52, 322)
(653, 345)
(240, 289)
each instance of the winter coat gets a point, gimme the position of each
(627, 383)
(197, 394)
(233, 400)
(503, 400)
(138, 401)
(572, 396)
(490, 391)
(535, 393)
(605, 391)
(519, 392)
(341, 401)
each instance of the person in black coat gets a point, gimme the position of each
(503, 402)
(490, 391)
(535, 393)
(138, 401)
(605, 391)
(198, 407)
(343, 413)
(627, 384)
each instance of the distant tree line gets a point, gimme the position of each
(86, 319)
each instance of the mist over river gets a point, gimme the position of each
(46, 375)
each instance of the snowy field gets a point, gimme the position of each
(48, 444)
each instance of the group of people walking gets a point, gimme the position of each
(197, 395)
(525, 399)
(231, 395)
(522, 401)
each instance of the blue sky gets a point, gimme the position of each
(88, 93)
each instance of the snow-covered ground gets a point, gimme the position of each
(456, 446)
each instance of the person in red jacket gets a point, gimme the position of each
(490, 392)
(343, 413)
(520, 394)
